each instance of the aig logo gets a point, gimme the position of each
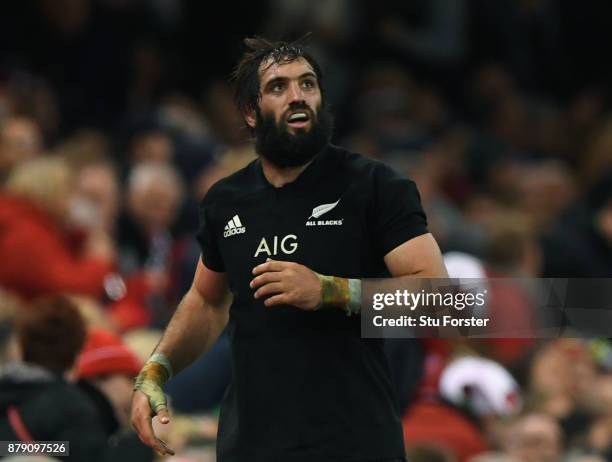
(286, 245)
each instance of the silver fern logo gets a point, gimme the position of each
(321, 210)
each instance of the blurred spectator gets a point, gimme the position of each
(598, 403)
(30, 95)
(154, 193)
(562, 374)
(544, 191)
(597, 160)
(147, 246)
(97, 190)
(93, 311)
(489, 84)
(583, 116)
(474, 396)
(20, 141)
(486, 390)
(551, 137)
(194, 143)
(535, 438)
(460, 434)
(386, 111)
(37, 400)
(151, 146)
(84, 147)
(482, 386)
(106, 369)
(511, 248)
(39, 253)
(580, 242)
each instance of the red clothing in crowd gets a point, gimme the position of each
(37, 256)
(430, 421)
(441, 425)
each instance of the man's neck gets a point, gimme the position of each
(279, 177)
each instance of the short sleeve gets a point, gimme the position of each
(396, 212)
(211, 256)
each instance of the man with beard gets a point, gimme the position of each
(284, 243)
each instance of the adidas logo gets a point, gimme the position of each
(234, 226)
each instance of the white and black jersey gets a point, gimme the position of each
(306, 387)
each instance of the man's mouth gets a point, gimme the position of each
(298, 119)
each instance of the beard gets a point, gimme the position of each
(283, 149)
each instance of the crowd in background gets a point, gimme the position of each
(116, 117)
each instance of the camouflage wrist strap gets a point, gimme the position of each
(151, 378)
(164, 361)
(340, 292)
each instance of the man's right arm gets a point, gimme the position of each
(198, 321)
(196, 325)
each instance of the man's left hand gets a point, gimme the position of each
(287, 283)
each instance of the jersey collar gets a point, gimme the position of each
(319, 167)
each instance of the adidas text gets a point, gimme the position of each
(231, 232)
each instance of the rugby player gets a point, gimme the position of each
(285, 242)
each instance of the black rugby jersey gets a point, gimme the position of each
(306, 386)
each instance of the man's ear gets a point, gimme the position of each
(250, 118)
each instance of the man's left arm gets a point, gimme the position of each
(288, 283)
(418, 257)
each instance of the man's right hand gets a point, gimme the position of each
(149, 401)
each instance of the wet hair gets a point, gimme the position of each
(245, 77)
(51, 333)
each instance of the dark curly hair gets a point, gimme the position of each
(245, 77)
(51, 333)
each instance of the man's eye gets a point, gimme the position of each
(278, 87)
(308, 84)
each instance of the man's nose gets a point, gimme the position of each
(295, 93)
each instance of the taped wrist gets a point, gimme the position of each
(151, 379)
(340, 292)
